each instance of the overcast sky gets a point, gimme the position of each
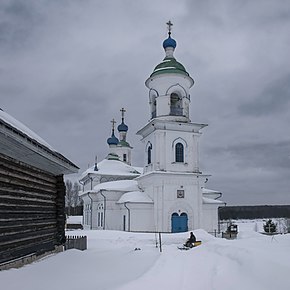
(68, 66)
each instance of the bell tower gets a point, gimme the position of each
(169, 86)
(170, 139)
(172, 177)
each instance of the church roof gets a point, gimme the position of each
(21, 143)
(122, 127)
(212, 201)
(135, 197)
(124, 143)
(111, 167)
(22, 128)
(119, 185)
(169, 65)
(113, 140)
(211, 193)
(169, 42)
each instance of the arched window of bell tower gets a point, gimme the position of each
(179, 152)
(176, 104)
(149, 153)
(152, 101)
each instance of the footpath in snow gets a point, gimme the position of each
(253, 262)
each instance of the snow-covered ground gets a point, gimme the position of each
(74, 219)
(253, 262)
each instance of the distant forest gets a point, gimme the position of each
(254, 212)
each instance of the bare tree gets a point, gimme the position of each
(72, 199)
(69, 195)
(76, 199)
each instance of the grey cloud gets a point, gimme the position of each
(271, 156)
(19, 20)
(68, 66)
(274, 99)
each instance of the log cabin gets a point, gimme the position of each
(32, 194)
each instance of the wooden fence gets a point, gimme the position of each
(76, 242)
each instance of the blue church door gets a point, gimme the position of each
(179, 223)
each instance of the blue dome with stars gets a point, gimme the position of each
(169, 42)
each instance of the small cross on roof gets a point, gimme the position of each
(123, 112)
(169, 24)
(113, 123)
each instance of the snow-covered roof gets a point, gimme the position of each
(210, 191)
(19, 142)
(138, 169)
(213, 201)
(21, 127)
(111, 167)
(119, 185)
(135, 197)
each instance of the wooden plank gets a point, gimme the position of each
(8, 171)
(29, 234)
(16, 201)
(38, 247)
(25, 168)
(22, 183)
(6, 190)
(32, 217)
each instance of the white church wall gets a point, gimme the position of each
(87, 212)
(210, 217)
(114, 219)
(163, 151)
(141, 217)
(110, 209)
(162, 189)
(90, 182)
(121, 151)
(163, 83)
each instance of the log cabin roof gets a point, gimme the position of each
(19, 142)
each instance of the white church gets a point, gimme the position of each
(168, 194)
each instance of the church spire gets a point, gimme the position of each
(169, 86)
(120, 148)
(113, 140)
(169, 24)
(169, 44)
(123, 127)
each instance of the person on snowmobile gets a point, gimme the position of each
(190, 241)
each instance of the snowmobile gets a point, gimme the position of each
(188, 245)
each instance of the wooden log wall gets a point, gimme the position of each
(32, 210)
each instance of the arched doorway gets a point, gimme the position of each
(179, 223)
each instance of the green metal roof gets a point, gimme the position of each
(169, 65)
(124, 143)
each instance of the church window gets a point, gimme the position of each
(124, 223)
(125, 157)
(102, 218)
(149, 154)
(179, 152)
